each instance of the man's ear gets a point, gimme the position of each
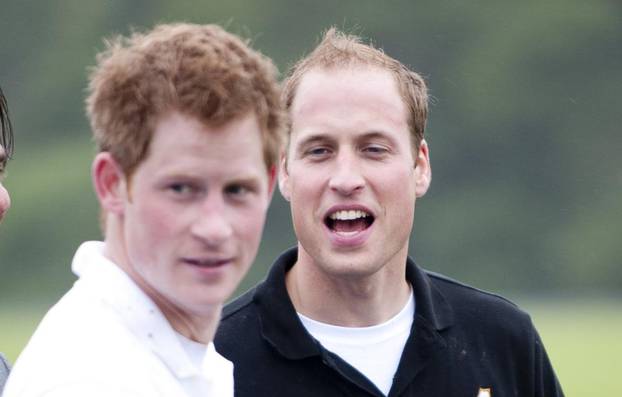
(284, 177)
(423, 169)
(272, 177)
(109, 182)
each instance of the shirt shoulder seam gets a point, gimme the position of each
(442, 278)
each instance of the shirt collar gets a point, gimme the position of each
(107, 282)
(279, 322)
(282, 328)
(432, 306)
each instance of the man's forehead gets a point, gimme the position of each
(348, 98)
(356, 71)
(335, 85)
(182, 142)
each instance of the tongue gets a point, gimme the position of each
(355, 225)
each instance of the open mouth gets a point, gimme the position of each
(348, 221)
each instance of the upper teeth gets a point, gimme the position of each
(345, 215)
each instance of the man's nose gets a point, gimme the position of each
(347, 177)
(213, 226)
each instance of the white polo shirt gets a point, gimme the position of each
(106, 337)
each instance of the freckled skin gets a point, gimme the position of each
(190, 222)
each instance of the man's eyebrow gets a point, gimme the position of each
(314, 138)
(376, 135)
(246, 179)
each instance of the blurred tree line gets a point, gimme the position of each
(524, 130)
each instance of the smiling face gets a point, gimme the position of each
(192, 214)
(350, 173)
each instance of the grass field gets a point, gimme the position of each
(583, 339)
(584, 342)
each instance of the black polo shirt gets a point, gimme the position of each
(462, 340)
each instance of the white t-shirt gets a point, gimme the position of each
(374, 351)
(105, 337)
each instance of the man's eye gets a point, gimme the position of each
(317, 152)
(375, 150)
(237, 190)
(181, 189)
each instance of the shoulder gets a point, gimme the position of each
(477, 308)
(75, 343)
(239, 318)
(239, 306)
(240, 321)
(112, 364)
(457, 289)
(489, 334)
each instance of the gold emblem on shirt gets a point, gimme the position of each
(484, 392)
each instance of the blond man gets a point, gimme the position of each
(347, 312)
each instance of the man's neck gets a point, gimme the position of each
(349, 302)
(197, 327)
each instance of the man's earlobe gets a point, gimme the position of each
(109, 183)
(423, 169)
(284, 178)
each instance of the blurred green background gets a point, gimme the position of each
(524, 134)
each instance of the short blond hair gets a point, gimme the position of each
(199, 70)
(338, 49)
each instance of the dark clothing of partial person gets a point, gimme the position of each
(462, 340)
(4, 372)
